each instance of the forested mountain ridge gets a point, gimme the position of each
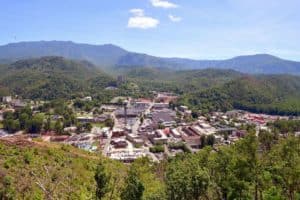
(274, 94)
(50, 77)
(181, 81)
(208, 90)
(109, 56)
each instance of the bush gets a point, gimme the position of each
(157, 149)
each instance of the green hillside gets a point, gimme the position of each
(179, 81)
(38, 170)
(51, 78)
(276, 94)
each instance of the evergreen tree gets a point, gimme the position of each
(133, 187)
(102, 181)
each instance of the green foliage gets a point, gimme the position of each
(157, 149)
(286, 126)
(134, 188)
(102, 181)
(263, 94)
(23, 120)
(109, 123)
(252, 168)
(52, 78)
(210, 140)
(179, 145)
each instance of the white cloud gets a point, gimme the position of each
(174, 18)
(139, 20)
(163, 4)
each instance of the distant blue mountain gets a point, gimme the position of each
(109, 56)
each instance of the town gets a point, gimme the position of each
(129, 128)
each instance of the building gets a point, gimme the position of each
(165, 97)
(165, 118)
(135, 139)
(88, 98)
(160, 106)
(119, 143)
(176, 133)
(158, 137)
(85, 119)
(70, 129)
(7, 99)
(116, 133)
(191, 137)
(102, 118)
(17, 103)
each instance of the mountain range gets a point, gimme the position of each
(109, 56)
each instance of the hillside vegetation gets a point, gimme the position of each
(179, 81)
(276, 94)
(37, 170)
(51, 78)
(207, 90)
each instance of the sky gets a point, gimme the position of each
(198, 29)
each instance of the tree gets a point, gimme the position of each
(210, 140)
(24, 121)
(203, 141)
(11, 125)
(266, 139)
(161, 126)
(134, 188)
(246, 169)
(88, 126)
(47, 126)
(142, 119)
(109, 123)
(195, 115)
(102, 181)
(58, 126)
(7, 191)
(284, 162)
(36, 124)
(187, 177)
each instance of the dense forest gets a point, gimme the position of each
(278, 94)
(206, 90)
(264, 167)
(50, 78)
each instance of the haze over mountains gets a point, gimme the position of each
(109, 56)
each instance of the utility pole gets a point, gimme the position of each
(125, 113)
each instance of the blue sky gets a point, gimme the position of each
(202, 29)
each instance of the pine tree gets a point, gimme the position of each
(102, 181)
(134, 187)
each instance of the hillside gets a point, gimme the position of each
(179, 81)
(274, 94)
(50, 77)
(109, 56)
(39, 170)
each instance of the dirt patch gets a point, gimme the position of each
(20, 140)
